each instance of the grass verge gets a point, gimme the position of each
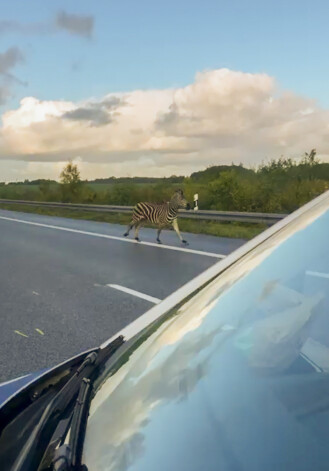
(219, 229)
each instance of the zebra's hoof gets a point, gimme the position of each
(138, 239)
(125, 234)
(159, 241)
(185, 242)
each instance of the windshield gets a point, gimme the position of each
(238, 379)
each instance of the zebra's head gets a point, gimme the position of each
(179, 200)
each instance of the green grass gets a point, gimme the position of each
(219, 229)
(19, 191)
(22, 187)
(233, 230)
(100, 186)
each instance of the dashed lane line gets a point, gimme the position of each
(138, 294)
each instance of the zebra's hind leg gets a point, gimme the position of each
(129, 227)
(137, 227)
(158, 235)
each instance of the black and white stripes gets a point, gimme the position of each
(162, 215)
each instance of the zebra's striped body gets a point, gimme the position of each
(162, 215)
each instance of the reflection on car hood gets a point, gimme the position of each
(224, 384)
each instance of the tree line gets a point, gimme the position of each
(281, 185)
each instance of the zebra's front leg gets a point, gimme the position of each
(137, 227)
(129, 227)
(175, 226)
(158, 235)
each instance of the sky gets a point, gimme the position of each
(160, 88)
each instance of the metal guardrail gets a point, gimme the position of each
(264, 218)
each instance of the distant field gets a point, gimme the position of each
(25, 192)
(20, 188)
(100, 186)
(109, 186)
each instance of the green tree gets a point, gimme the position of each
(224, 191)
(44, 189)
(71, 183)
(310, 159)
(70, 174)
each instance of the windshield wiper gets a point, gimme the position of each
(58, 417)
(68, 456)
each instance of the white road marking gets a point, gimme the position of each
(122, 239)
(317, 274)
(15, 379)
(138, 294)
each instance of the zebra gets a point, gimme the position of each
(162, 215)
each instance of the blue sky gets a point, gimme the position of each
(148, 44)
(69, 54)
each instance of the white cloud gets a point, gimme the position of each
(223, 116)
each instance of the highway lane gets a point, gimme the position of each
(54, 296)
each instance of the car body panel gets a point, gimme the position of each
(9, 388)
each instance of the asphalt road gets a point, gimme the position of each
(55, 300)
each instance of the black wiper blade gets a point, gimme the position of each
(36, 448)
(68, 456)
(79, 423)
(44, 430)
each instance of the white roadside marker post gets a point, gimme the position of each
(196, 198)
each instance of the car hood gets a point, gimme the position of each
(19, 386)
(9, 388)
